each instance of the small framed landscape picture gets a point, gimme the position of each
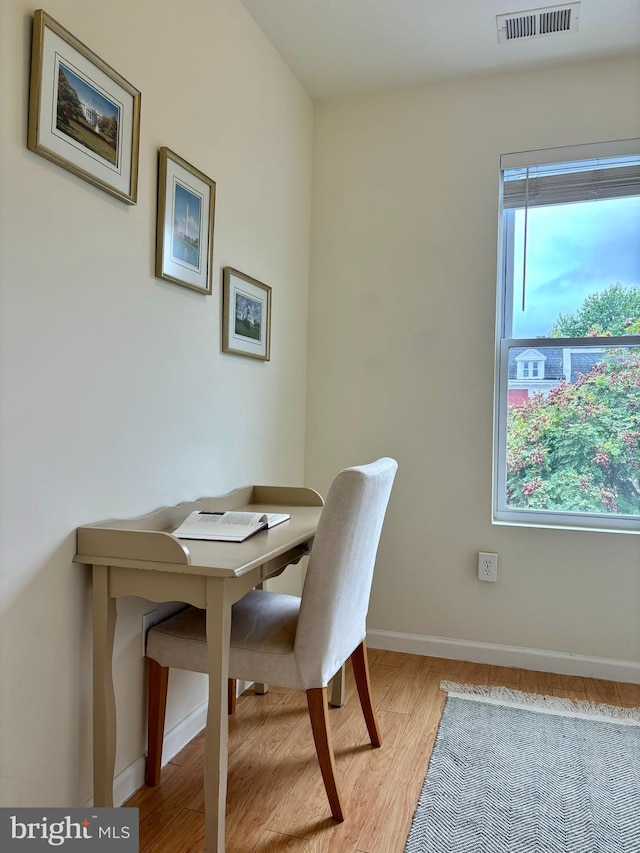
(83, 115)
(246, 315)
(186, 210)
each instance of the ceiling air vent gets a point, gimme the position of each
(536, 23)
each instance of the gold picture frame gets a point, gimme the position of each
(83, 115)
(184, 236)
(246, 315)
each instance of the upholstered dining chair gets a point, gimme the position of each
(290, 641)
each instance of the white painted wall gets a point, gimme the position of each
(401, 353)
(116, 398)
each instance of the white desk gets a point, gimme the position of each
(140, 557)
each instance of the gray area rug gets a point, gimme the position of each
(516, 773)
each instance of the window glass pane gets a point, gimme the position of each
(573, 438)
(573, 252)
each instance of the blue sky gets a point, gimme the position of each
(184, 198)
(573, 250)
(90, 95)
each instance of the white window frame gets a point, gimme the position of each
(606, 522)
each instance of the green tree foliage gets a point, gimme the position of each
(578, 449)
(68, 101)
(109, 126)
(613, 311)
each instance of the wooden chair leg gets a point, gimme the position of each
(156, 710)
(338, 688)
(361, 675)
(319, 714)
(232, 695)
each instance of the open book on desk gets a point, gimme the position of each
(227, 526)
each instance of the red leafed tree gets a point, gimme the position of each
(578, 449)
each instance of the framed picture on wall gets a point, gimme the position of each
(186, 210)
(246, 315)
(83, 115)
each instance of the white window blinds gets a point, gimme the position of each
(578, 173)
(536, 185)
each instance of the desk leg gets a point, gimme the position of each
(259, 687)
(104, 701)
(216, 738)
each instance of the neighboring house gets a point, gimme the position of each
(537, 371)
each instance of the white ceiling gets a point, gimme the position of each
(338, 47)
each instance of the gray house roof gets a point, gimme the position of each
(582, 360)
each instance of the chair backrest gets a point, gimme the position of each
(335, 597)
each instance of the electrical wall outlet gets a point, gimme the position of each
(487, 567)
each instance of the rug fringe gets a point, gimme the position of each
(542, 704)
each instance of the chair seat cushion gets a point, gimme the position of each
(261, 622)
(180, 641)
(265, 622)
(263, 634)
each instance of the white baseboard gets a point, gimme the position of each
(131, 779)
(538, 659)
(128, 782)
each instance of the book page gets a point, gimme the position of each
(234, 526)
(274, 518)
(219, 518)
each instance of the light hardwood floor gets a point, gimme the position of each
(276, 800)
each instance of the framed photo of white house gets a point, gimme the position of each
(246, 315)
(186, 211)
(83, 115)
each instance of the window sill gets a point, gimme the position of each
(567, 521)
